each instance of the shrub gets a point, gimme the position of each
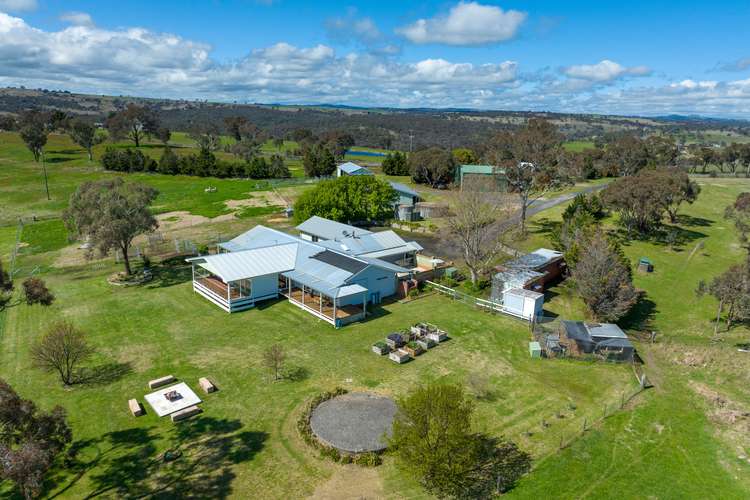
(380, 344)
(368, 459)
(36, 292)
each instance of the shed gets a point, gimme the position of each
(351, 168)
(406, 195)
(481, 178)
(523, 303)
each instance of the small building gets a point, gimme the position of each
(351, 168)
(605, 339)
(533, 271)
(488, 178)
(320, 229)
(523, 303)
(406, 195)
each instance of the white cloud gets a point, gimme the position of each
(604, 71)
(468, 23)
(350, 28)
(135, 61)
(77, 18)
(17, 5)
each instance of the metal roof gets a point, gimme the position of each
(246, 264)
(479, 169)
(403, 188)
(352, 168)
(522, 292)
(576, 330)
(605, 330)
(381, 244)
(534, 260)
(257, 237)
(329, 229)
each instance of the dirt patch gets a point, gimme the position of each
(257, 199)
(723, 410)
(351, 481)
(171, 221)
(71, 255)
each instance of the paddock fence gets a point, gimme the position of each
(481, 304)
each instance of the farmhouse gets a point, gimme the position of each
(353, 241)
(605, 339)
(264, 263)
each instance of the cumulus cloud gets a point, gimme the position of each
(604, 71)
(136, 61)
(17, 5)
(349, 29)
(77, 18)
(468, 23)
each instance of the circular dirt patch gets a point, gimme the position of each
(355, 422)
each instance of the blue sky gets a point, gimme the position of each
(636, 57)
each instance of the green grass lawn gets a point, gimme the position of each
(578, 146)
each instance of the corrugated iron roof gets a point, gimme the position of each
(329, 229)
(246, 264)
(403, 188)
(352, 168)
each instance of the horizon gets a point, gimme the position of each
(582, 58)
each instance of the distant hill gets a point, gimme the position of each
(376, 127)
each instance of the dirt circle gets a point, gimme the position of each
(354, 422)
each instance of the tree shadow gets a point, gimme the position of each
(689, 220)
(640, 316)
(104, 374)
(199, 464)
(170, 272)
(65, 151)
(57, 159)
(296, 373)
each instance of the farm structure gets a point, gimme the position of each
(533, 271)
(487, 178)
(264, 264)
(357, 242)
(351, 168)
(578, 338)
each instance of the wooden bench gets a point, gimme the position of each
(135, 407)
(153, 384)
(206, 385)
(186, 413)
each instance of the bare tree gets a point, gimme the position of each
(273, 359)
(62, 349)
(477, 223)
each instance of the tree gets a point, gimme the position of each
(6, 287)
(207, 138)
(351, 198)
(733, 293)
(36, 292)
(84, 134)
(278, 142)
(432, 438)
(234, 126)
(433, 166)
(273, 360)
(628, 155)
(62, 349)
(338, 142)
(34, 133)
(677, 189)
(257, 168)
(30, 440)
(318, 161)
(579, 219)
(639, 200)
(133, 122)
(277, 168)
(465, 156)
(662, 151)
(529, 157)
(110, 213)
(476, 224)
(395, 164)
(739, 212)
(169, 163)
(164, 135)
(603, 278)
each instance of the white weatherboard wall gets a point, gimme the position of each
(524, 303)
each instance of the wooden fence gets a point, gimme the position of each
(483, 304)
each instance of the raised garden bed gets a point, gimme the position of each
(426, 343)
(437, 336)
(399, 356)
(380, 348)
(395, 340)
(413, 349)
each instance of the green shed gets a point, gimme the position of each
(535, 350)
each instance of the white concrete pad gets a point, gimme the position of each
(163, 406)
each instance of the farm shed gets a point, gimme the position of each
(533, 271)
(351, 168)
(488, 178)
(605, 339)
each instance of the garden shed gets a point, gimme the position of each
(523, 303)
